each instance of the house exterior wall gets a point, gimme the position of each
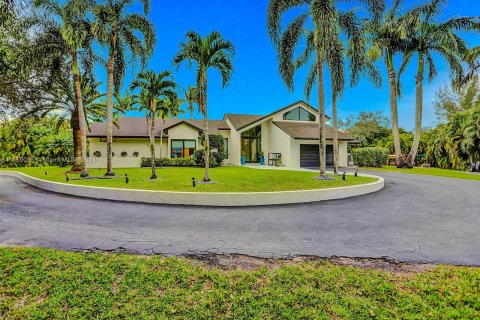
(234, 147)
(280, 142)
(129, 145)
(182, 132)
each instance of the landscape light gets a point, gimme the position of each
(344, 176)
(194, 183)
(126, 179)
(356, 173)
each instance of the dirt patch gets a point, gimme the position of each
(243, 262)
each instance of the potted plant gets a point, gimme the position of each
(261, 158)
(244, 158)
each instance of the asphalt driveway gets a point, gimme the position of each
(414, 219)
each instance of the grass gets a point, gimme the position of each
(52, 284)
(228, 179)
(430, 172)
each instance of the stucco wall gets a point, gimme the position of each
(234, 146)
(129, 145)
(279, 142)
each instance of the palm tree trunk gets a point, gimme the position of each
(335, 133)
(321, 114)
(394, 111)
(418, 112)
(152, 140)
(161, 142)
(77, 142)
(81, 116)
(206, 178)
(110, 71)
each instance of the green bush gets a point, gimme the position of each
(216, 158)
(174, 162)
(370, 157)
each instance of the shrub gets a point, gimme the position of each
(124, 154)
(97, 154)
(175, 162)
(136, 154)
(370, 157)
(216, 158)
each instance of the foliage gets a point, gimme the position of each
(228, 179)
(450, 101)
(370, 128)
(437, 172)
(216, 141)
(31, 141)
(167, 162)
(370, 157)
(216, 158)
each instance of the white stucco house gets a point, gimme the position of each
(290, 133)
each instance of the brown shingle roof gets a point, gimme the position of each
(133, 127)
(241, 120)
(308, 131)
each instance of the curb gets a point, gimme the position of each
(238, 199)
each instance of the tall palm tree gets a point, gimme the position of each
(168, 107)
(190, 98)
(70, 35)
(207, 52)
(154, 87)
(119, 30)
(323, 16)
(388, 37)
(428, 39)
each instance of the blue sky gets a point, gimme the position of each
(256, 87)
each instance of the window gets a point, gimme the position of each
(299, 114)
(225, 147)
(183, 148)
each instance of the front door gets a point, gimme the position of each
(251, 149)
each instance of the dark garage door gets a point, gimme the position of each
(309, 155)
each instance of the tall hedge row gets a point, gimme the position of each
(370, 157)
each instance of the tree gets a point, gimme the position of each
(118, 30)
(190, 97)
(207, 52)
(387, 37)
(450, 101)
(72, 38)
(429, 39)
(472, 58)
(154, 87)
(370, 128)
(324, 41)
(168, 107)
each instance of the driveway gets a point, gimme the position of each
(414, 219)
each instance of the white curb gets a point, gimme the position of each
(233, 199)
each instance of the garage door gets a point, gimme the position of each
(309, 155)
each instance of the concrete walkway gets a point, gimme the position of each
(415, 219)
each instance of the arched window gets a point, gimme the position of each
(299, 114)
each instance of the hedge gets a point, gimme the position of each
(370, 157)
(174, 162)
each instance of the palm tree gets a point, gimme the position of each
(207, 52)
(68, 33)
(168, 107)
(190, 98)
(154, 87)
(387, 37)
(119, 31)
(428, 39)
(324, 17)
(472, 58)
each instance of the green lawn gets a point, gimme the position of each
(430, 172)
(228, 179)
(51, 284)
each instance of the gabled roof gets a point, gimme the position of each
(136, 127)
(240, 121)
(308, 131)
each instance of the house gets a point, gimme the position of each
(291, 132)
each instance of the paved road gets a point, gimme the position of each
(414, 219)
